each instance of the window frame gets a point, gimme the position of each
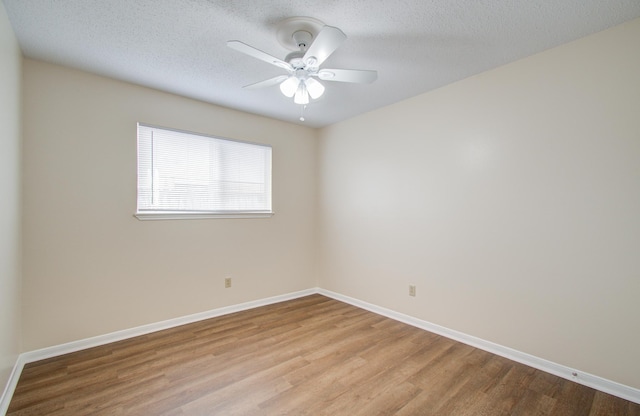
(147, 214)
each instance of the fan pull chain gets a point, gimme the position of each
(302, 112)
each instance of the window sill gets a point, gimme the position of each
(150, 216)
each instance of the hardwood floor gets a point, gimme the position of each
(309, 356)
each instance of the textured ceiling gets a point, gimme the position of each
(179, 46)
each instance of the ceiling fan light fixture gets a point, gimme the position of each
(311, 43)
(302, 96)
(315, 88)
(290, 86)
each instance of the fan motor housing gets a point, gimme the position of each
(295, 59)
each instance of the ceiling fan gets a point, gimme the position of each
(312, 43)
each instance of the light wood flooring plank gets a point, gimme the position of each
(308, 356)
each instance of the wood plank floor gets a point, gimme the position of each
(309, 356)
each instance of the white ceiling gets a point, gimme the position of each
(179, 46)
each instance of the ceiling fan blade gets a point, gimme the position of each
(325, 43)
(267, 83)
(360, 76)
(258, 54)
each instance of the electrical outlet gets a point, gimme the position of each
(412, 290)
(227, 282)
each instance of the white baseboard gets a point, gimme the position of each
(56, 350)
(590, 380)
(11, 385)
(581, 377)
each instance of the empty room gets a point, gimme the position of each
(319, 208)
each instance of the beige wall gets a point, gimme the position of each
(90, 267)
(10, 60)
(510, 199)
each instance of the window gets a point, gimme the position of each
(188, 175)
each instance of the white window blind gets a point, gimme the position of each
(183, 174)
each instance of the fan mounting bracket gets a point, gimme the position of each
(287, 31)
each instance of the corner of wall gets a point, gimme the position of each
(10, 204)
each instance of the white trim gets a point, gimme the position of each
(586, 379)
(7, 394)
(82, 344)
(149, 216)
(590, 380)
